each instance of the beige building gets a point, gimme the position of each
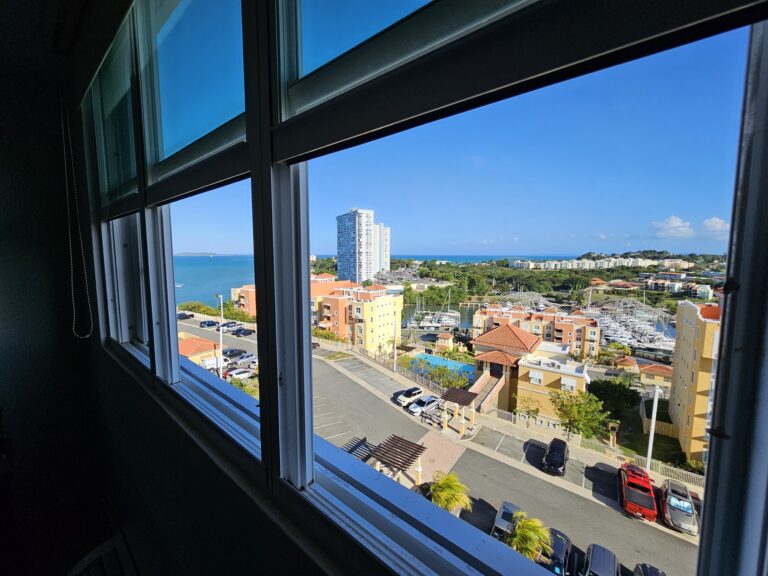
(575, 330)
(693, 378)
(516, 368)
(652, 375)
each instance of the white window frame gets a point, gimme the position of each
(272, 157)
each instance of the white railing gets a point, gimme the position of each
(670, 471)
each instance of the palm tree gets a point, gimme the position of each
(447, 492)
(530, 538)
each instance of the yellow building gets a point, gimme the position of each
(375, 317)
(515, 368)
(652, 375)
(693, 378)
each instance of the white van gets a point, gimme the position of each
(214, 363)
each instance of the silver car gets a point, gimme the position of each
(677, 507)
(505, 521)
(425, 404)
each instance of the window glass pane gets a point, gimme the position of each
(330, 47)
(113, 120)
(192, 69)
(125, 281)
(213, 271)
(328, 29)
(537, 258)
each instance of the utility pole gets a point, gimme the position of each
(221, 336)
(653, 425)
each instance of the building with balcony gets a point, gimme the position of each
(693, 378)
(575, 330)
(244, 298)
(517, 368)
(363, 247)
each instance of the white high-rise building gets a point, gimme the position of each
(362, 246)
(381, 235)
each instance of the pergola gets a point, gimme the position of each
(463, 398)
(399, 454)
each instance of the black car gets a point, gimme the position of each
(559, 561)
(555, 457)
(243, 332)
(647, 570)
(184, 316)
(208, 323)
(232, 352)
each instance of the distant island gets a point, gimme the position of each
(196, 254)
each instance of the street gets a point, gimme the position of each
(354, 417)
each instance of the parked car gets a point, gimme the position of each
(423, 405)
(677, 507)
(647, 570)
(184, 316)
(214, 363)
(254, 365)
(555, 457)
(232, 353)
(560, 560)
(410, 395)
(208, 324)
(636, 493)
(504, 524)
(315, 345)
(246, 358)
(242, 332)
(599, 561)
(227, 326)
(240, 374)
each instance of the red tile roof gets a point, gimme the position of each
(498, 357)
(626, 361)
(376, 287)
(709, 312)
(597, 281)
(444, 336)
(193, 345)
(659, 369)
(326, 288)
(509, 339)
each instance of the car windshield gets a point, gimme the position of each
(639, 497)
(507, 516)
(555, 457)
(682, 505)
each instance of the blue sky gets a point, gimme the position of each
(638, 156)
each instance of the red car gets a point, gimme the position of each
(637, 496)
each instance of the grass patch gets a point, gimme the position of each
(249, 386)
(662, 414)
(631, 440)
(338, 356)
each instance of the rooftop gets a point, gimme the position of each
(509, 339)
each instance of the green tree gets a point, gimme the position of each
(529, 538)
(579, 413)
(529, 408)
(616, 394)
(618, 348)
(447, 492)
(579, 297)
(405, 362)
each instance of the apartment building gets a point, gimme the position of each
(244, 298)
(693, 378)
(324, 277)
(575, 330)
(659, 285)
(652, 375)
(363, 247)
(368, 317)
(522, 370)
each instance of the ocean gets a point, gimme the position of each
(202, 277)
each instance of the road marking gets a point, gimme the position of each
(324, 425)
(337, 435)
(525, 453)
(499, 444)
(323, 414)
(583, 480)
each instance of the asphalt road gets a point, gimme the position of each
(351, 417)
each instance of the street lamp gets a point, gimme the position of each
(221, 336)
(653, 425)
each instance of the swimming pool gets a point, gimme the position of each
(467, 369)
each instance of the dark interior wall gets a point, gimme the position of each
(44, 380)
(180, 513)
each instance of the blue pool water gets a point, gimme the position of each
(467, 369)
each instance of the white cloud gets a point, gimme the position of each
(673, 227)
(603, 236)
(716, 227)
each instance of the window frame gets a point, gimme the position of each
(289, 466)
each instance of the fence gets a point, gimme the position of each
(386, 361)
(663, 428)
(669, 471)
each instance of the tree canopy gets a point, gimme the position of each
(579, 413)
